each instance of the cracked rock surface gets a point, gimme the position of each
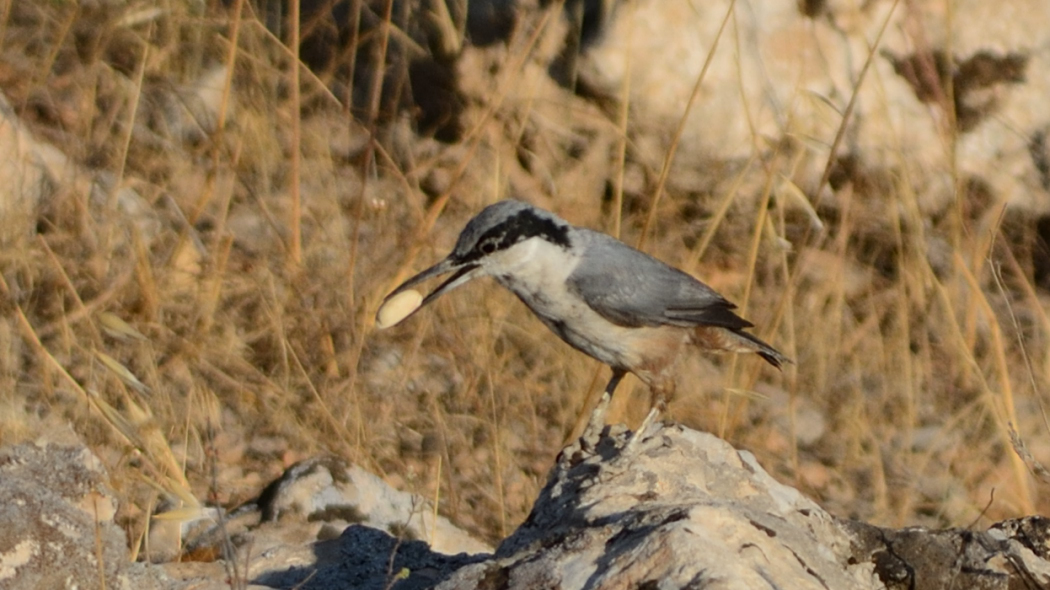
(685, 510)
(57, 508)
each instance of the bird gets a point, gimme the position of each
(604, 298)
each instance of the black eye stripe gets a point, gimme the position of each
(522, 226)
(492, 236)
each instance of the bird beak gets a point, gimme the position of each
(461, 273)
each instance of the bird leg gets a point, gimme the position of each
(661, 394)
(597, 420)
(639, 434)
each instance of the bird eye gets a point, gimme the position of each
(487, 247)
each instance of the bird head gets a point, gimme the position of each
(489, 245)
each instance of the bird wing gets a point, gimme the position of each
(630, 288)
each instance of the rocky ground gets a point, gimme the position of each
(682, 509)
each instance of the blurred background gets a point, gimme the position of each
(204, 201)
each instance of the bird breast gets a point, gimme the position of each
(537, 272)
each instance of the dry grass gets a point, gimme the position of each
(245, 312)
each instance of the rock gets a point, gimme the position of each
(684, 510)
(1010, 554)
(326, 514)
(33, 171)
(688, 510)
(29, 172)
(327, 489)
(57, 509)
(785, 69)
(367, 558)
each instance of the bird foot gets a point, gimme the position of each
(592, 433)
(641, 433)
(590, 439)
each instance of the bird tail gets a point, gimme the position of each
(730, 340)
(768, 353)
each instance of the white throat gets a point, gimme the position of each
(534, 263)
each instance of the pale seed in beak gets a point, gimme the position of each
(397, 308)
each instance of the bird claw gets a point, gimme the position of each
(590, 439)
(642, 432)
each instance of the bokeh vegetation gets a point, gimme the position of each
(200, 311)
